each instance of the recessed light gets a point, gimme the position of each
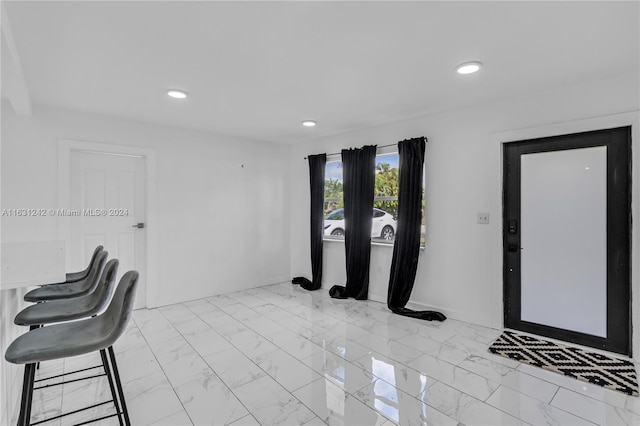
(309, 123)
(176, 93)
(468, 67)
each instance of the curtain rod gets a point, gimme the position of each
(378, 146)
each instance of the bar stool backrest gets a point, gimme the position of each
(94, 257)
(73, 277)
(106, 286)
(117, 315)
(90, 283)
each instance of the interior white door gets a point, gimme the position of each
(107, 196)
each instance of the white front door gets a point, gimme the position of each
(564, 238)
(567, 227)
(107, 202)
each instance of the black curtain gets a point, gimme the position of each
(358, 176)
(406, 249)
(316, 182)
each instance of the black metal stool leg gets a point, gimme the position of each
(33, 327)
(27, 395)
(123, 404)
(107, 370)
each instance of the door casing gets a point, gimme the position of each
(619, 314)
(65, 146)
(122, 178)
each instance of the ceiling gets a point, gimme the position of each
(257, 69)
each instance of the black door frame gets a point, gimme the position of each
(619, 315)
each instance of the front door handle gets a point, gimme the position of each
(138, 225)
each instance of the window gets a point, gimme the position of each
(385, 198)
(385, 202)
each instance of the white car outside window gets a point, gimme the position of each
(383, 225)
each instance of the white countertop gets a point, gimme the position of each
(31, 263)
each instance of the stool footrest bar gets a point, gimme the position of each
(98, 419)
(70, 381)
(65, 374)
(73, 412)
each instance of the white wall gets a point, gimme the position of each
(455, 272)
(220, 218)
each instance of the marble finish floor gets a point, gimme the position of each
(279, 355)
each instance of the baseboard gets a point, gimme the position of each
(451, 314)
(225, 290)
(378, 298)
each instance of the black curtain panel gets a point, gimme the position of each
(358, 176)
(406, 249)
(316, 181)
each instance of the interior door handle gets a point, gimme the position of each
(138, 225)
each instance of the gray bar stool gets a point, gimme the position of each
(67, 290)
(72, 277)
(74, 308)
(78, 338)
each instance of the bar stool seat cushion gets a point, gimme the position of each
(56, 311)
(55, 292)
(80, 337)
(74, 308)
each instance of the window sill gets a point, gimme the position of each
(373, 243)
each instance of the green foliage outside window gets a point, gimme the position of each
(333, 195)
(386, 185)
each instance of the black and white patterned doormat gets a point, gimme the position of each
(611, 373)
